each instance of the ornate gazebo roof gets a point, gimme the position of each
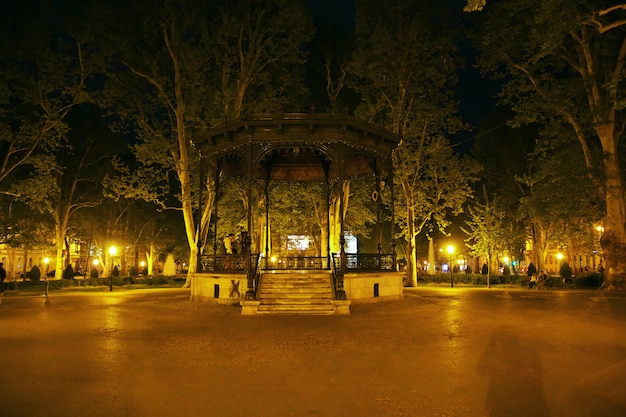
(298, 146)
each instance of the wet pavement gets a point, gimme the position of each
(439, 352)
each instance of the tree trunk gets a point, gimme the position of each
(150, 260)
(613, 240)
(61, 218)
(411, 252)
(336, 215)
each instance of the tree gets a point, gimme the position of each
(179, 69)
(474, 5)
(45, 78)
(42, 77)
(566, 64)
(257, 50)
(486, 230)
(328, 65)
(404, 70)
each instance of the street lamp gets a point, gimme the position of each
(112, 252)
(450, 250)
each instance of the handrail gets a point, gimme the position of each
(337, 274)
(255, 274)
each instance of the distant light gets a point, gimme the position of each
(450, 249)
(46, 261)
(559, 256)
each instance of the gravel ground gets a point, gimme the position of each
(439, 352)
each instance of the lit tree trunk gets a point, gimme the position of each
(335, 215)
(613, 240)
(61, 218)
(150, 260)
(411, 250)
(180, 155)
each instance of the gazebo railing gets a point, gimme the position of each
(367, 261)
(225, 263)
(355, 262)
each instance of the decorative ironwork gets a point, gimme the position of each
(223, 263)
(337, 273)
(354, 262)
(253, 277)
(368, 261)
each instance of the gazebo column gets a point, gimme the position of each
(250, 292)
(379, 229)
(267, 220)
(340, 293)
(218, 168)
(393, 217)
(327, 207)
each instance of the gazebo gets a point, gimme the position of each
(327, 148)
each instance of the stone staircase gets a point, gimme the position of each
(296, 292)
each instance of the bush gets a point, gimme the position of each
(93, 273)
(115, 272)
(35, 274)
(132, 272)
(589, 281)
(68, 273)
(566, 271)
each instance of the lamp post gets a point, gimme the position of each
(450, 250)
(112, 252)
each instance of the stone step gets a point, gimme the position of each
(295, 313)
(295, 284)
(295, 293)
(296, 280)
(306, 296)
(298, 301)
(286, 308)
(285, 290)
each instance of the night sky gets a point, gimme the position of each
(474, 93)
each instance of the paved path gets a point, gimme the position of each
(439, 352)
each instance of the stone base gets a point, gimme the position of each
(342, 306)
(249, 307)
(373, 286)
